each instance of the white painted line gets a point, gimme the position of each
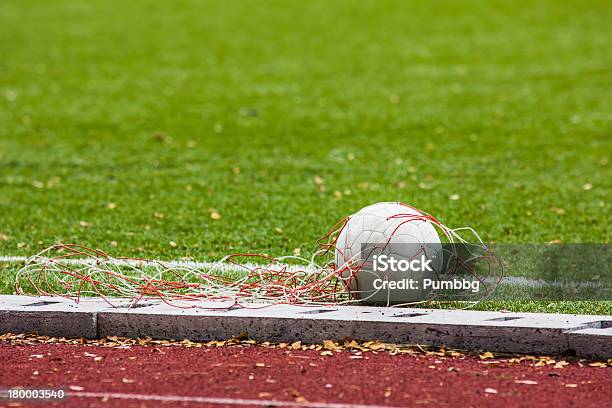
(13, 259)
(220, 401)
(224, 267)
(541, 283)
(174, 263)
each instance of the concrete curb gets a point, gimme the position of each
(534, 333)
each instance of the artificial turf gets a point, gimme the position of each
(198, 129)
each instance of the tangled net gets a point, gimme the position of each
(244, 280)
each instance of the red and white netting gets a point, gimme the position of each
(245, 280)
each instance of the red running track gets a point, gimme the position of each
(256, 376)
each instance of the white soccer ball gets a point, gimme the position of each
(382, 223)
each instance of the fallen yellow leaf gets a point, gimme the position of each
(329, 345)
(529, 382)
(486, 354)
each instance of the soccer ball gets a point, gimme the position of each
(398, 231)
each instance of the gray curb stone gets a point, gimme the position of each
(48, 316)
(595, 343)
(535, 333)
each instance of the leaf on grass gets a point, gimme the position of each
(557, 210)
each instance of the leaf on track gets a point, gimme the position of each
(329, 345)
(528, 382)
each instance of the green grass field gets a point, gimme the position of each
(125, 126)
